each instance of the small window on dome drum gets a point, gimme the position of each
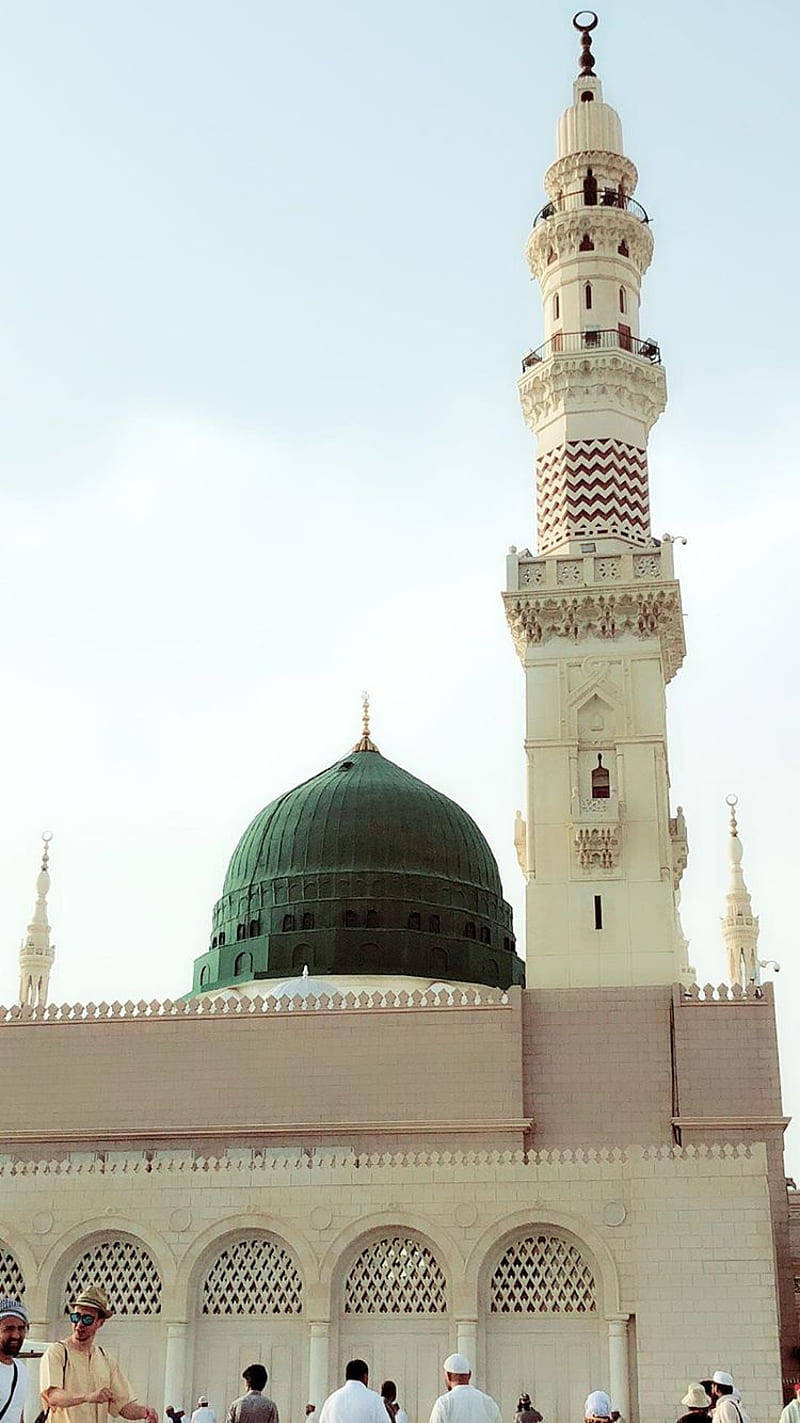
(438, 962)
(204, 975)
(372, 918)
(239, 931)
(434, 924)
(222, 938)
(506, 942)
(243, 963)
(486, 936)
(255, 928)
(214, 942)
(350, 919)
(288, 923)
(469, 930)
(308, 921)
(413, 920)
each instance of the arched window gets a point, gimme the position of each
(601, 781)
(556, 306)
(222, 938)
(590, 189)
(469, 930)
(125, 1269)
(486, 934)
(623, 249)
(205, 975)
(372, 919)
(11, 1282)
(506, 942)
(308, 920)
(288, 923)
(214, 942)
(243, 963)
(586, 244)
(438, 962)
(622, 302)
(350, 919)
(492, 972)
(413, 920)
(396, 1275)
(239, 931)
(255, 928)
(587, 296)
(543, 1274)
(434, 924)
(253, 1276)
(587, 96)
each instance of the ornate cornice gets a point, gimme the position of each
(564, 231)
(567, 172)
(589, 380)
(647, 610)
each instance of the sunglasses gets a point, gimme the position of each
(77, 1318)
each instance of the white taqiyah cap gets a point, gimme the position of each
(457, 1364)
(597, 1405)
(720, 1376)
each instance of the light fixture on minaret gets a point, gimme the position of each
(596, 614)
(36, 954)
(739, 923)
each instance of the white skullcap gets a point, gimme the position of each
(597, 1405)
(721, 1377)
(457, 1364)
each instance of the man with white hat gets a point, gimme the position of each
(203, 1413)
(597, 1408)
(13, 1373)
(80, 1382)
(463, 1403)
(726, 1408)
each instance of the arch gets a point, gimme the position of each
(586, 243)
(243, 963)
(542, 1272)
(205, 1249)
(492, 1244)
(288, 923)
(587, 295)
(308, 920)
(70, 1249)
(205, 975)
(12, 1276)
(251, 1273)
(126, 1271)
(348, 1245)
(255, 928)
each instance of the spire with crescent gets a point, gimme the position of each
(36, 953)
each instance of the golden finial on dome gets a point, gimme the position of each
(366, 743)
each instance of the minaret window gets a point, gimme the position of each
(623, 249)
(587, 244)
(551, 256)
(556, 306)
(587, 96)
(587, 296)
(622, 302)
(601, 781)
(598, 911)
(590, 189)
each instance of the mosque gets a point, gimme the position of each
(378, 1125)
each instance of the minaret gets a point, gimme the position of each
(739, 923)
(36, 954)
(596, 615)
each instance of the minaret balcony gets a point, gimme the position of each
(605, 198)
(569, 342)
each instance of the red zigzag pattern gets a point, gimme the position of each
(589, 488)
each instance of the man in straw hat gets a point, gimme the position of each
(80, 1382)
(463, 1403)
(697, 1403)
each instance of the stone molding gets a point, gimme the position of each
(514, 1126)
(564, 384)
(221, 1007)
(563, 232)
(567, 173)
(331, 1164)
(538, 615)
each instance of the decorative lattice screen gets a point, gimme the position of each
(126, 1271)
(395, 1276)
(11, 1281)
(253, 1276)
(543, 1274)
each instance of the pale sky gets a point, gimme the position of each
(264, 301)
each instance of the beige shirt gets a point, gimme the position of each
(86, 1373)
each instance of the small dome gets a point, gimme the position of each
(304, 987)
(363, 869)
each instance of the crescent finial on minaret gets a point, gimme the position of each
(585, 21)
(37, 954)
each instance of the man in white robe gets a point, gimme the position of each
(354, 1402)
(463, 1403)
(791, 1413)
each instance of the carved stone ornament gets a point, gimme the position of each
(592, 379)
(597, 846)
(607, 227)
(566, 174)
(654, 611)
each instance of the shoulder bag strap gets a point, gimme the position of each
(14, 1377)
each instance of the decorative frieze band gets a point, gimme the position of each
(591, 489)
(538, 615)
(592, 380)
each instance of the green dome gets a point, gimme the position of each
(361, 869)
